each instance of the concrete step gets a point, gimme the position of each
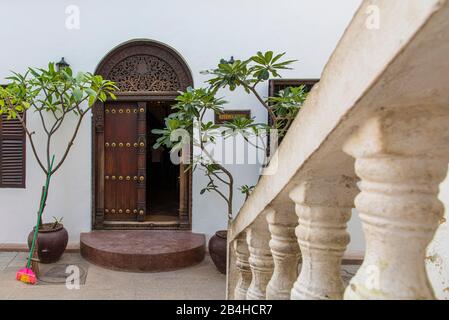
(143, 250)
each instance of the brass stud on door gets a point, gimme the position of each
(113, 177)
(112, 210)
(141, 212)
(128, 111)
(141, 178)
(106, 177)
(120, 111)
(113, 111)
(128, 144)
(106, 144)
(120, 177)
(128, 211)
(136, 144)
(120, 144)
(135, 211)
(135, 178)
(135, 110)
(106, 210)
(128, 178)
(106, 110)
(120, 211)
(113, 144)
(142, 144)
(142, 110)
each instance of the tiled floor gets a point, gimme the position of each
(202, 281)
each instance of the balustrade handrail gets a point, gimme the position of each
(380, 116)
(349, 77)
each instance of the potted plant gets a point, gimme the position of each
(187, 125)
(56, 96)
(282, 109)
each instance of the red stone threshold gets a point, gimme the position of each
(143, 250)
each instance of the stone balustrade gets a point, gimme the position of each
(373, 136)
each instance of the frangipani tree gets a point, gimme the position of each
(193, 104)
(56, 96)
(189, 119)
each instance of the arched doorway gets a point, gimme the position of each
(135, 186)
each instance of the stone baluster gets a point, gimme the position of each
(282, 222)
(260, 259)
(401, 157)
(323, 207)
(242, 265)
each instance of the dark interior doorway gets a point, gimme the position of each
(163, 186)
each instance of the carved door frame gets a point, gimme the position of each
(145, 70)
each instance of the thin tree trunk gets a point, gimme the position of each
(44, 201)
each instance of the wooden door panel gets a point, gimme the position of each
(123, 199)
(121, 161)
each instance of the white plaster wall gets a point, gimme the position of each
(203, 31)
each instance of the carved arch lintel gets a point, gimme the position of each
(145, 66)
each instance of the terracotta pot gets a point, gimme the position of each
(51, 242)
(217, 250)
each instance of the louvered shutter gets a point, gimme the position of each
(12, 153)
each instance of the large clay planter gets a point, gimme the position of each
(51, 242)
(217, 250)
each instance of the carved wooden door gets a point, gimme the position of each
(124, 161)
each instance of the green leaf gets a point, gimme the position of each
(159, 131)
(51, 67)
(33, 72)
(92, 100)
(265, 75)
(258, 59)
(277, 57)
(90, 91)
(102, 96)
(77, 94)
(268, 56)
